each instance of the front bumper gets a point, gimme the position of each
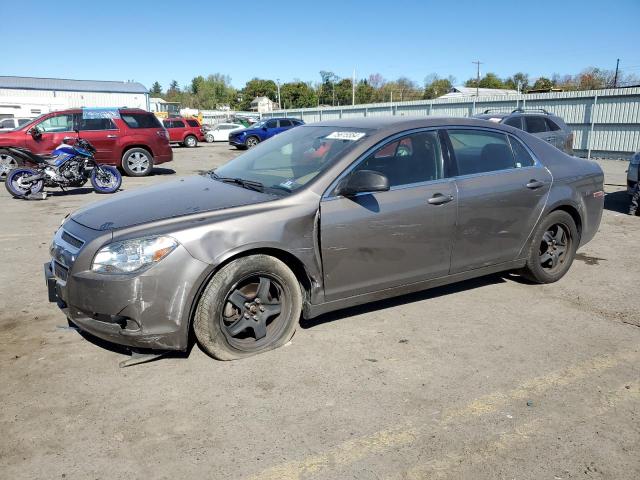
(237, 142)
(150, 309)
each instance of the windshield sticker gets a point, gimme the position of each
(289, 184)
(352, 136)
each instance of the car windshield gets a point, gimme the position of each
(292, 159)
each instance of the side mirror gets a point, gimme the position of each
(364, 181)
(35, 132)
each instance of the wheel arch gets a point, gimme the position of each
(290, 260)
(571, 210)
(126, 148)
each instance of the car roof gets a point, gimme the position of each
(406, 123)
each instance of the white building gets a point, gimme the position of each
(460, 91)
(31, 96)
(263, 105)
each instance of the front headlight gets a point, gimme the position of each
(131, 255)
(635, 160)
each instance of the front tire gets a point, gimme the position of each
(190, 141)
(252, 142)
(105, 179)
(7, 163)
(250, 306)
(552, 249)
(137, 162)
(209, 138)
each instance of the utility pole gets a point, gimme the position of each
(615, 78)
(353, 88)
(478, 63)
(278, 84)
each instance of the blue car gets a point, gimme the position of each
(259, 132)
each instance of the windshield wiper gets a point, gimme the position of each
(248, 184)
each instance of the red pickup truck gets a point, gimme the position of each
(136, 141)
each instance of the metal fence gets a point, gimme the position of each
(606, 123)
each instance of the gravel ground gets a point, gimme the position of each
(487, 379)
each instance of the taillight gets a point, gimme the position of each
(163, 133)
(568, 144)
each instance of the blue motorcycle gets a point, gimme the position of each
(67, 166)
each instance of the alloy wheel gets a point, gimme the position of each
(251, 315)
(7, 163)
(138, 162)
(251, 142)
(555, 244)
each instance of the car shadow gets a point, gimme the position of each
(162, 171)
(409, 298)
(617, 201)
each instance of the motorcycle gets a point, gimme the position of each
(67, 166)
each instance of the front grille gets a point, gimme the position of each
(71, 240)
(60, 271)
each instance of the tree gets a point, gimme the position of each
(344, 92)
(364, 92)
(298, 94)
(594, 78)
(156, 90)
(436, 87)
(257, 87)
(173, 93)
(327, 87)
(542, 83)
(490, 80)
(518, 81)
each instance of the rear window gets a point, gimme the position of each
(193, 123)
(141, 120)
(553, 126)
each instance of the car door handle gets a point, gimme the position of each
(439, 199)
(112, 136)
(533, 184)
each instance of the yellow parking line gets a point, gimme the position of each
(354, 450)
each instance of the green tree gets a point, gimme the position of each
(173, 92)
(298, 94)
(518, 78)
(211, 92)
(436, 87)
(364, 92)
(327, 87)
(156, 90)
(344, 92)
(490, 80)
(542, 83)
(257, 87)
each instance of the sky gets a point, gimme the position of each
(147, 41)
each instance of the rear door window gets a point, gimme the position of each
(535, 124)
(479, 151)
(514, 122)
(272, 124)
(285, 123)
(96, 124)
(193, 123)
(141, 120)
(177, 124)
(522, 156)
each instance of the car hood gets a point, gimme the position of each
(186, 196)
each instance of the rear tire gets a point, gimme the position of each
(137, 162)
(190, 141)
(15, 187)
(552, 249)
(7, 163)
(250, 306)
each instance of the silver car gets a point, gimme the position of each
(319, 218)
(538, 122)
